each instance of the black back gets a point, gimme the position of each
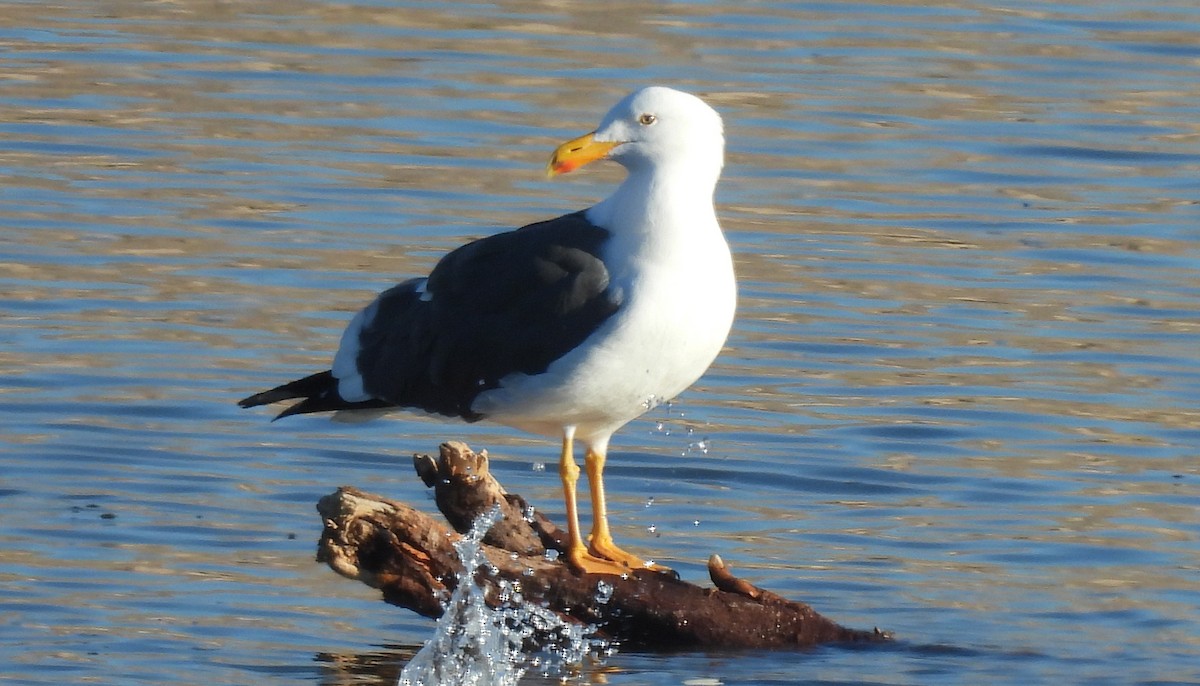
(511, 302)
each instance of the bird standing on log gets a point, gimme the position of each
(571, 327)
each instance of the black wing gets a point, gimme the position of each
(511, 302)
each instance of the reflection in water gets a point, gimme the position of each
(380, 667)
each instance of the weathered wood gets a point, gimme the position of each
(409, 556)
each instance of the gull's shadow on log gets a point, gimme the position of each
(409, 556)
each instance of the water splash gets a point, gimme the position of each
(477, 645)
(673, 422)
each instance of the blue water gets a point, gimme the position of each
(959, 402)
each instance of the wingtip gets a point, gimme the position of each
(254, 400)
(295, 408)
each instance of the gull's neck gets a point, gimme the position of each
(660, 200)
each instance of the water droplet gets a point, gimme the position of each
(653, 529)
(604, 592)
(539, 466)
(474, 643)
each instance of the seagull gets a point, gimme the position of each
(567, 328)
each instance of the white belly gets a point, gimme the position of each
(675, 316)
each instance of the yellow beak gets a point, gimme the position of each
(575, 153)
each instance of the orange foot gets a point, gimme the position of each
(604, 557)
(584, 562)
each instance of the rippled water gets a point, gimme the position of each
(959, 403)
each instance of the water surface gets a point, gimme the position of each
(959, 402)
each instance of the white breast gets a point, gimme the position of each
(678, 295)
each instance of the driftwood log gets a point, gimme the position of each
(409, 556)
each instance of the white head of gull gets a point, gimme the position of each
(570, 327)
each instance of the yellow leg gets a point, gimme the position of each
(601, 541)
(577, 553)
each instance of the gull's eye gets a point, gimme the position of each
(647, 119)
